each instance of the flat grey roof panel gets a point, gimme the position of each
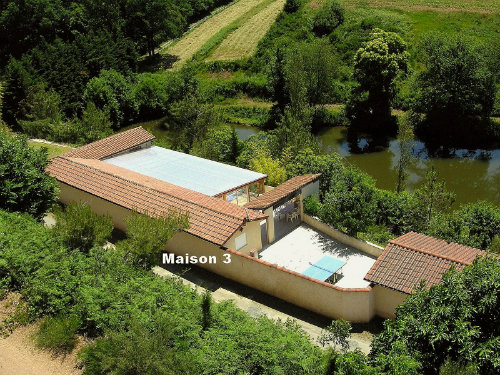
(192, 172)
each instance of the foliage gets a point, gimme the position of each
(142, 349)
(58, 332)
(221, 144)
(191, 119)
(292, 6)
(376, 66)
(456, 88)
(350, 204)
(112, 92)
(405, 144)
(206, 309)
(308, 162)
(24, 185)
(336, 334)
(79, 228)
(473, 224)
(94, 124)
(153, 22)
(456, 319)
(148, 235)
(433, 196)
(329, 17)
(274, 169)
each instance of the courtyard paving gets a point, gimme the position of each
(303, 246)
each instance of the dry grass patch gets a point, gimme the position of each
(189, 44)
(243, 41)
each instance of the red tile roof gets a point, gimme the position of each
(414, 257)
(210, 218)
(112, 145)
(272, 197)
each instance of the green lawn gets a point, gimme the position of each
(53, 150)
(466, 5)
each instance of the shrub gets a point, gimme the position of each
(147, 235)
(24, 185)
(58, 332)
(80, 228)
(329, 17)
(312, 206)
(350, 205)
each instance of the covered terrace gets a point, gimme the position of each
(283, 205)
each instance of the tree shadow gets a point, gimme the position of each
(157, 62)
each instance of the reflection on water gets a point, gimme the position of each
(472, 174)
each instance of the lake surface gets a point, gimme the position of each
(472, 174)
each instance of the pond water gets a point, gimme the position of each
(472, 174)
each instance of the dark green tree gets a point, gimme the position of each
(376, 66)
(455, 89)
(329, 17)
(292, 6)
(152, 22)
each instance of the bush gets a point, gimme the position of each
(24, 185)
(80, 228)
(58, 332)
(329, 17)
(312, 206)
(350, 205)
(147, 236)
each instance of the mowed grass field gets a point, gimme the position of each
(195, 39)
(480, 6)
(242, 42)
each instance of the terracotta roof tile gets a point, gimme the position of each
(269, 198)
(210, 218)
(414, 257)
(112, 145)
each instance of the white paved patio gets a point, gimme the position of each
(304, 246)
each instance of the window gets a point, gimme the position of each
(241, 241)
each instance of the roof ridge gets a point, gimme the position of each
(155, 189)
(139, 130)
(434, 254)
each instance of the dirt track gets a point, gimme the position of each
(19, 356)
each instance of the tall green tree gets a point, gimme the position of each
(456, 88)
(376, 65)
(152, 22)
(405, 145)
(433, 196)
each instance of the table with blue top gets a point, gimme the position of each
(325, 268)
